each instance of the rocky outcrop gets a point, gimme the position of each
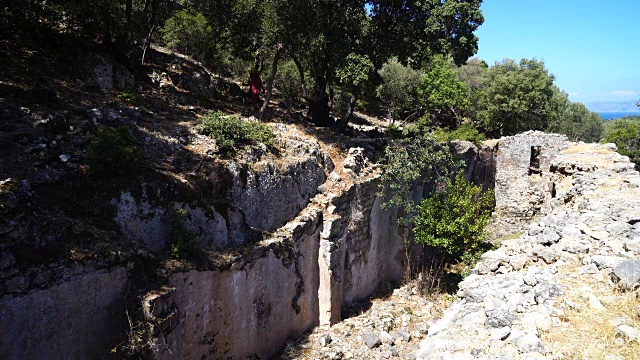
(248, 308)
(523, 288)
(81, 317)
(236, 202)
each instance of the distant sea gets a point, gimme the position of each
(610, 115)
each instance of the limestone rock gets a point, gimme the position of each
(372, 340)
(627, 274)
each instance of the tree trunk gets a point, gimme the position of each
(274, 69)
(303, 84)
(346, 117)
(147, 43)
(127, 25)
(319, 107)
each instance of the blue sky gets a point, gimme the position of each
(592, 47)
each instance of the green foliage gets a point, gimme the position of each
(517, 97)
(409, 162)
(113, 153)
(183, 241)
(188, 32)
(231, 132)
(466, 131)
(578, 123)
(354, 71)
(442, 94)
(127, 97)
(453, 220)
(398, 88)
(288, 81)
(422, 28)
(626, 135)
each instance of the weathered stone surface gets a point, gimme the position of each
(627, 274)
(79, 318)
(267, 301)
(372, 340)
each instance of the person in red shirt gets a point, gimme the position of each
(255, 87)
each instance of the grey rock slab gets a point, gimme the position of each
(372, 340)
(497, 312)
(530, 343)
(627, 274)
(493, 259)
(606, 262)
(547, 291)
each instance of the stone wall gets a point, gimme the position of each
(250, 308)
(523, 184)
(80, 318)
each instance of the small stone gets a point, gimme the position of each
(386, 338)
(594, 302)
(500, 333)
(627, 274)
(372, 340)
(325, 340)
(404, 335)
(628, 333)
(588, 269)
(530, 343)
(64, 158)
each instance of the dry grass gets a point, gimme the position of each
(588, 333)
(587, 148)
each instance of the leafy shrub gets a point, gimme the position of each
(453, 220)
(183, 241)
(288, 81)
(127, 97)
(189, 33)
(466, 131)
(409, 162)
(626, 135)
(230, 132)
(398, 88)
(113, 153)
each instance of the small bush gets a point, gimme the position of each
(288, 81)
(466, 132)
(230, 132)
(127, 97)
(625, 134)
(183, 241)
(113, 153)
(454, 220)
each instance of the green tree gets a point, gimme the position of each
(472, 74)
(189, 33)
(419, 29)
(626, 135)
(517, 97)
(410, 162)
(352, 74)
(398, 90)
(442, 94)
(454, 219)
(578, 123)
